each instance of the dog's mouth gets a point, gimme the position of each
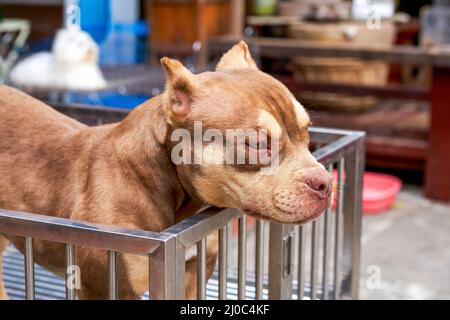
(290, 218)
(256, 214)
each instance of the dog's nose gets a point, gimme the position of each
(320, 181)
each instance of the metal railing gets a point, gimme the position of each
(334, 242)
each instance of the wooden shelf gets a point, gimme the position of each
(396, 132)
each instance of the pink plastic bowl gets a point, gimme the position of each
(379, 191)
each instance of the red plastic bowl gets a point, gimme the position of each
(379, 191)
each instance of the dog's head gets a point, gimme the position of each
(74, 46)
(239, 139)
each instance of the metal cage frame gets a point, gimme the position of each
(166, 250)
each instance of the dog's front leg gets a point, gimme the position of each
(131, 272)
(3, 245)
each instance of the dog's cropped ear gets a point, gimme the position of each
(180, 87)
(237, 57)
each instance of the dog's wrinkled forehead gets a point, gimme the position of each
(254, 99)
(281, 109)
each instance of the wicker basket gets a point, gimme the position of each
(341, 70)
(336, 70)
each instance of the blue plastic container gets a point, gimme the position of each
(107, 99)
(95, 18)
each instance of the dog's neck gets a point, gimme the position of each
(141, 144)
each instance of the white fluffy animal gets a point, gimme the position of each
(72, 64)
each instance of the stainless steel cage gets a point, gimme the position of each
(319, 260)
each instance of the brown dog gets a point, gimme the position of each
(124, 174)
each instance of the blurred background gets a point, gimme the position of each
(379, 66)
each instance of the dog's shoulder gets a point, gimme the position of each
(13, 98)
(17, 107)
(10, 99)
(5, 91)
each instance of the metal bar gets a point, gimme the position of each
(223, 261)
(190, 231)
(80, 233)
(280, 257)
(180, 271)
(301, 263)
(331, 134)
(164, 266)
(352, 220)
(259, 259)
(113, 291)
(29, 269)
(314, 255)
(326, 247)
(242, 257)
(333, 151)
(201, 269)
(71, 280)
(337, 229)
(325, 261)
